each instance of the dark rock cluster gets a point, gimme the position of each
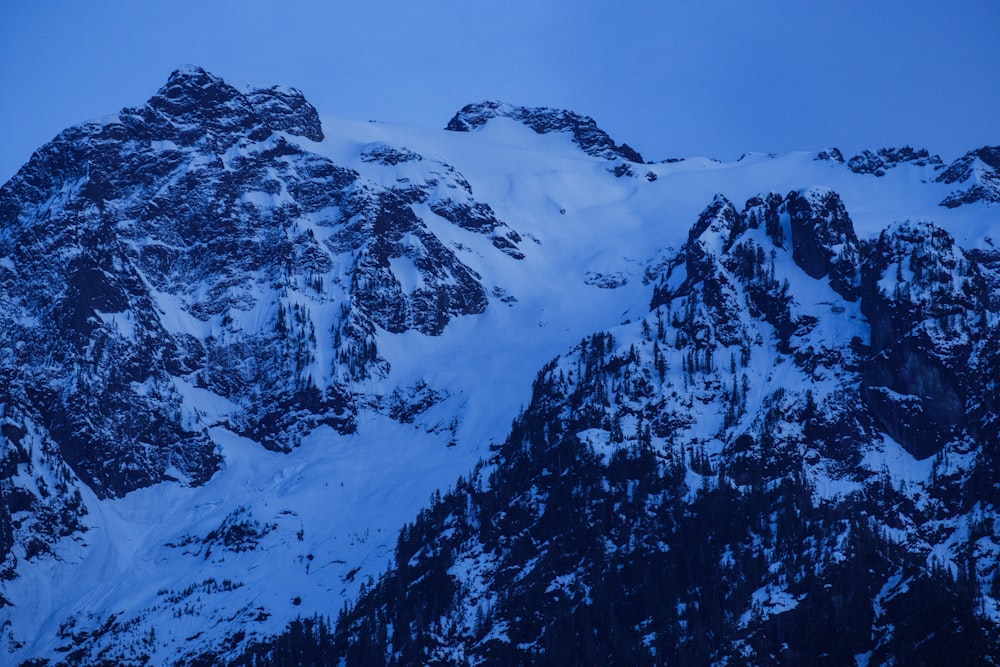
(978, 173)
(543, 120)
(884, 159)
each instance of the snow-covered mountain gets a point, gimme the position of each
(501, 392)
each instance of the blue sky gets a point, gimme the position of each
(670, 77)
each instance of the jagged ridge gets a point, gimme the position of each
(586, 134)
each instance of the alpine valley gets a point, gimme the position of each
(277, 391)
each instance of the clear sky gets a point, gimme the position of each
(672, 78)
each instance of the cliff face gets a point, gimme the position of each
(192, 241)
(926, 302)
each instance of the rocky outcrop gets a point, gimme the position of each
(813, 223)
(884, 159)
(699, 276)
(978, 175)
(925, 299)
(195, 106)
(543, 120)
(925, 302)
(286, 110)
(832, 154)
(405, 277)
(446, 192)
(823, 239)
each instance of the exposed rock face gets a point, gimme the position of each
(37, 506)
(830, 154)
(884, 159)
(728, 279)
(447, 194)
(286, 110)
(924, 299)
(586, 134)
(192, 244)
(720, 221)
(823, 239)
(978, 174)
(195, 105)
(813, 222)
(447, 287)
(697, 273)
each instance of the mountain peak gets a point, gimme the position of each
(978, 172)
(543, 120)
(193, 74)
(199, 104)
(190, 85)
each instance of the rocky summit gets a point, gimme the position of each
(287, 389)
